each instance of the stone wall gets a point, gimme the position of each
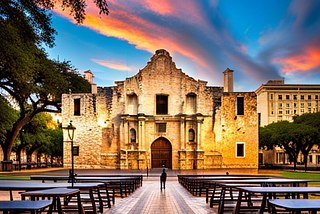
(239, 128)
(106, 120)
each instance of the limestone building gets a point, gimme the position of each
(161, 116)
(277, 101)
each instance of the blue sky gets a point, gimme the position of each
(259, 40)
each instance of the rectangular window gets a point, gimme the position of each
(280, 105)
(287, 97)
(309, 97)
(309, 104)
(271, 96)
(240, 150)
(288, 105)
(310, 158)
(295, 111)
(295, 105)
(302, 105)
(302, 111)
(162, 104)
(161, 127)
(316, 97)
(287, 111)
(280, 112)
(309, 110)
(295, 97)
(302, 97)
(76, 103)
(279, 97)
(240, 106)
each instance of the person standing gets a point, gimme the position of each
(163, 178)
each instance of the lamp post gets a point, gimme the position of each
(71, 129)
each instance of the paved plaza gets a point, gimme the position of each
(150, 199)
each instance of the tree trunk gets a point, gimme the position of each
(12, 135)
(305, 156)
(29, 160)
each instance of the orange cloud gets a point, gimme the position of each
(142, 33)
(310, 59)
(112, 65)
(163, 8)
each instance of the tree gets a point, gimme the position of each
(54, 148)
(26, 74)
(7, 117)
(293, 137)
(32, 136)
(281, 134)
(76, 7)
(309, 136)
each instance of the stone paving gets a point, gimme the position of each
(150, 199)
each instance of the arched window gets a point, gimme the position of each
(133, 135)
(191, 135)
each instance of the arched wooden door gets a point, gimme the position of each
(161, 153)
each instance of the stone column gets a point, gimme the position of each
(140, 133)
(143, 135)
(125, 132)
(198, 134)
(122, 143)
(182, 134)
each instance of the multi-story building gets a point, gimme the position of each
(277, 101)
(161, 116)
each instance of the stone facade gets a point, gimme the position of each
(161, 116)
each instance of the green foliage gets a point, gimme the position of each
(35, 82)
(7, 117)
(301, 135)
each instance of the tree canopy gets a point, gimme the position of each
(298, 136)
(27, 75)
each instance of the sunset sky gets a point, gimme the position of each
(259, 40)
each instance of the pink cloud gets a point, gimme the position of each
(302, 61)
(112, 65)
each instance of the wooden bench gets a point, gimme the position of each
(32, 206)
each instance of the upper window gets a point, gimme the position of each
(302, 97)
(191, 135)
(162, 104)
(316, 97)
(271, 96)
(161, 127)
(132, 135)
(287, 97)
(191, 107)
(295, 97)
(279, 97)
(309, 97)
(240, 150)
(76, 107)
(240, 106)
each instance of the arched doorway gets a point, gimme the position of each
(161, 153)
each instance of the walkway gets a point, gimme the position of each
(150, 199)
